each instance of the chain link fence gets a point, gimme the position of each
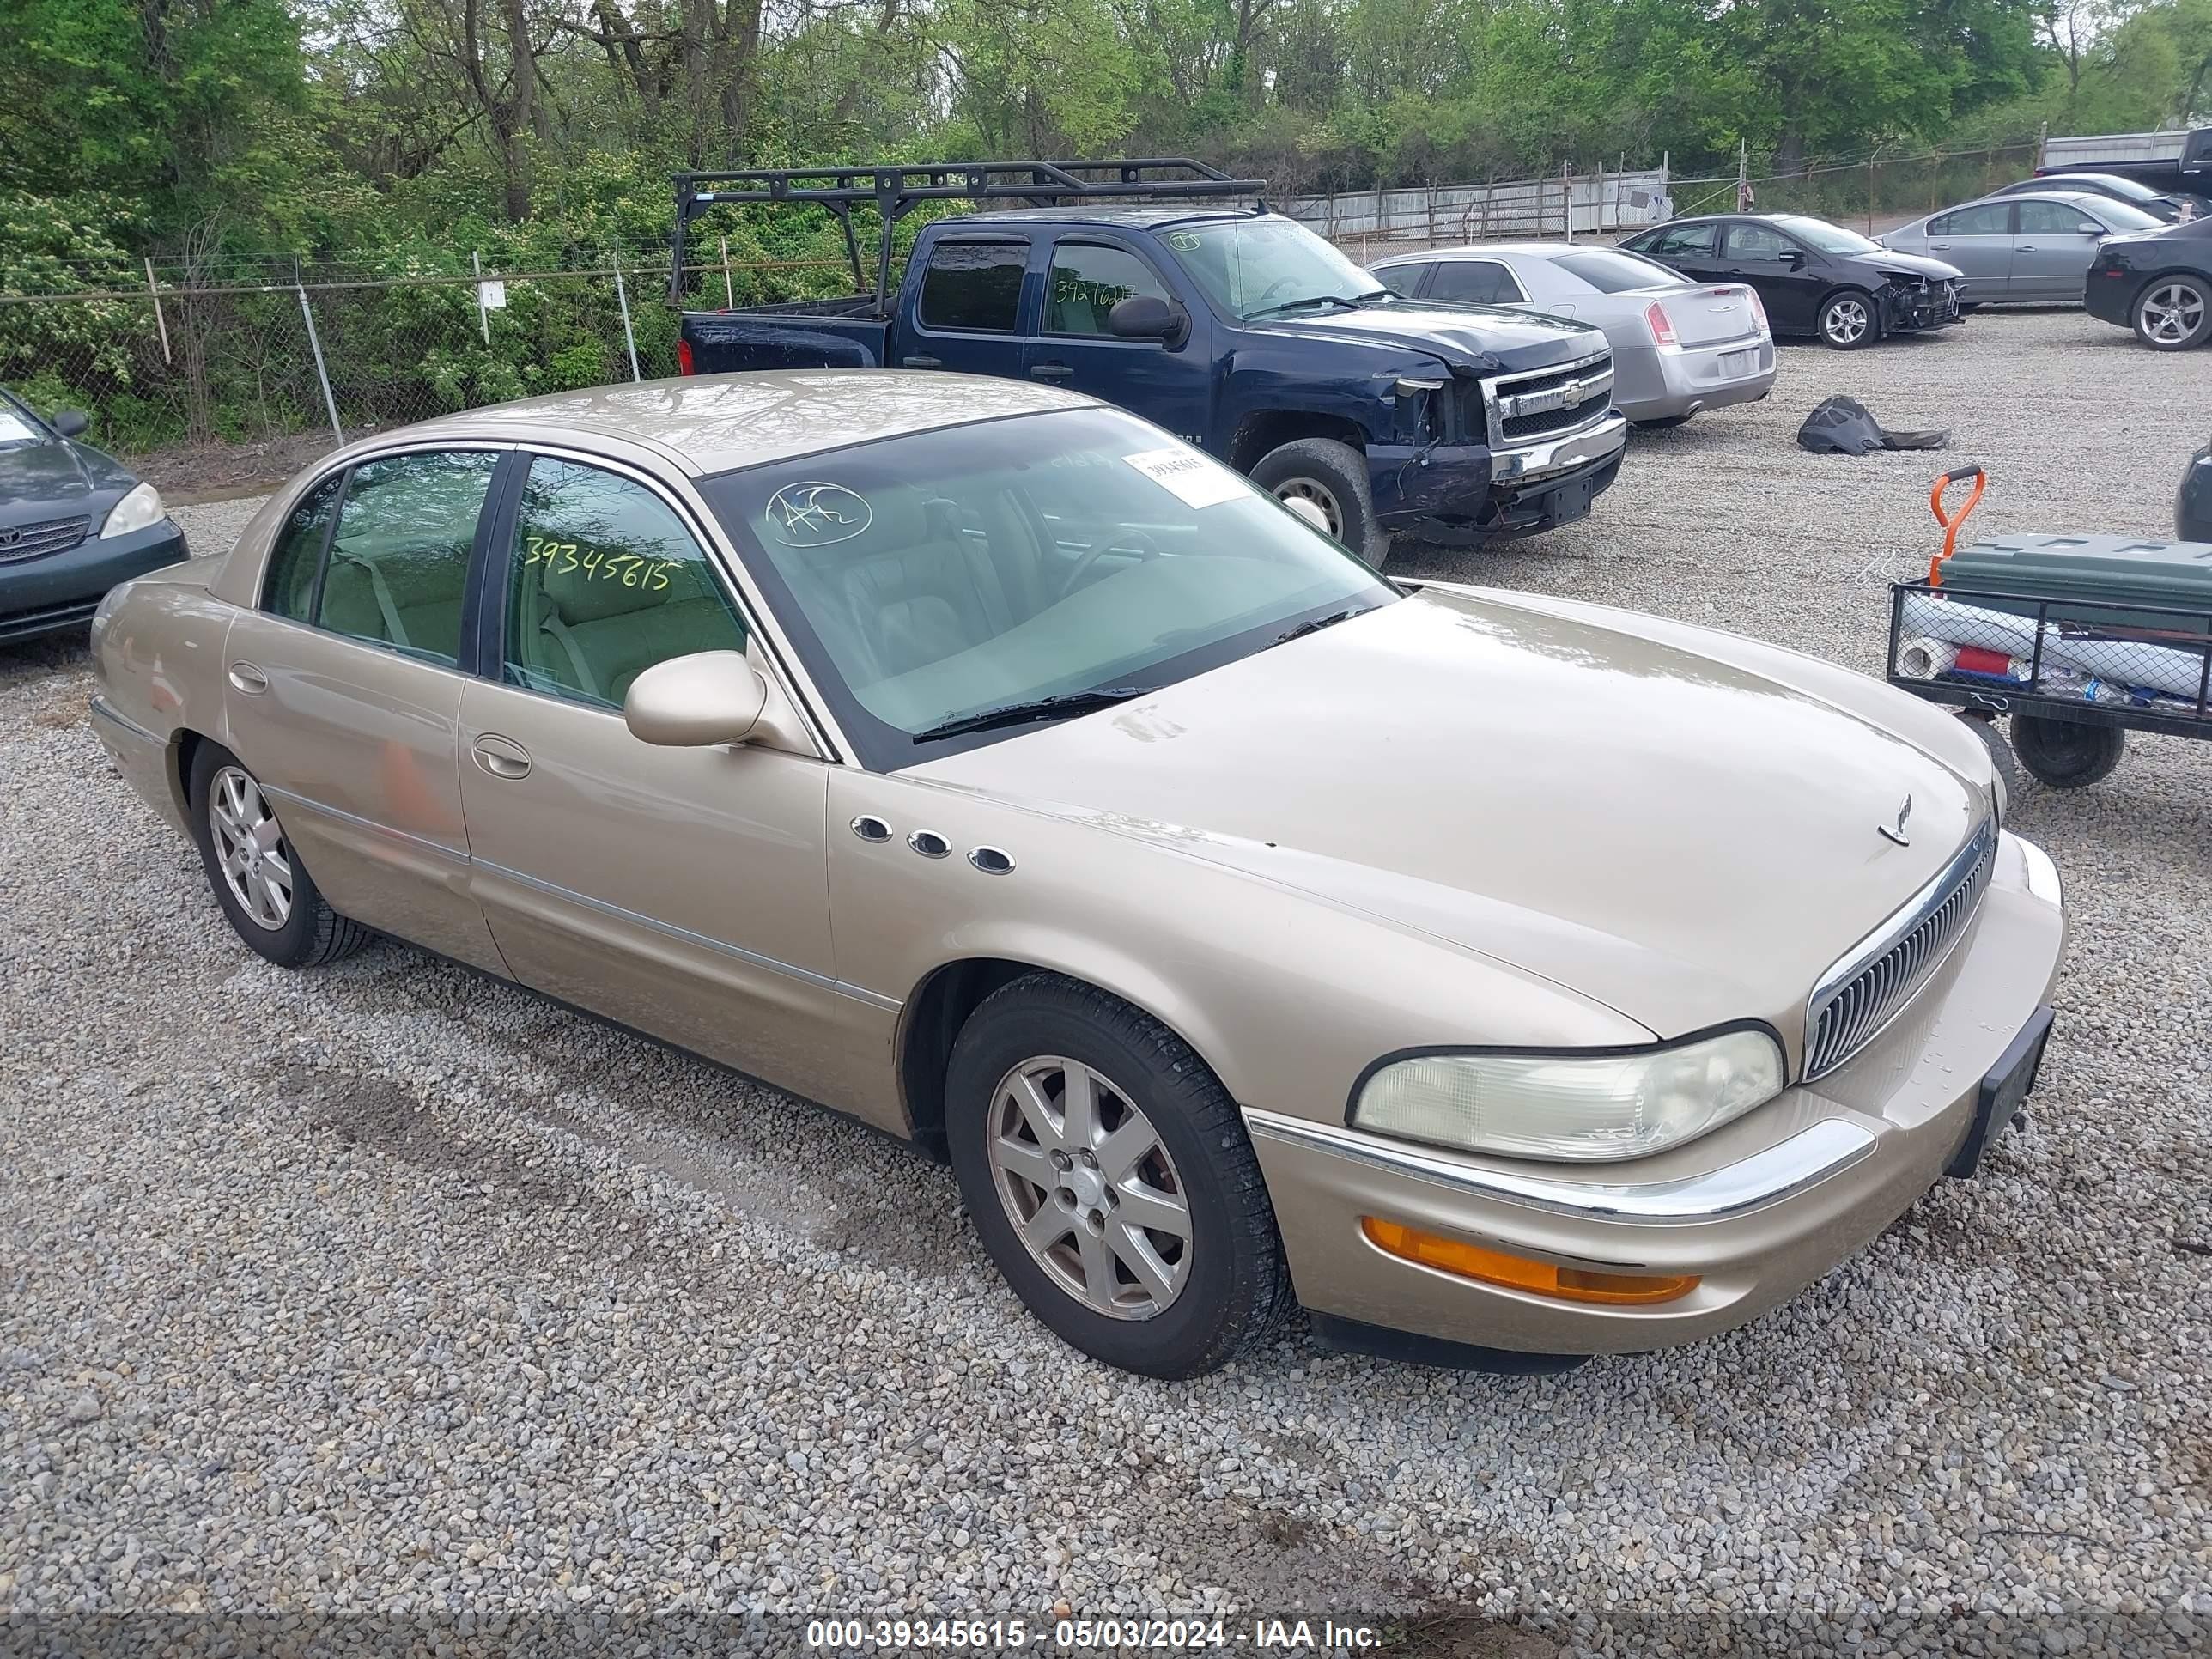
(1873, 190)
(205, 385)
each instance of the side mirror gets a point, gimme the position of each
(695, 702)
(1795, 259)
(72, 423)
(1148, 317)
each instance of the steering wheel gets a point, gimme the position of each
(1124, 540)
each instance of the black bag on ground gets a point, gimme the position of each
(1844, 426)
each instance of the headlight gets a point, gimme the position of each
(1567, 1105)
(140, 507)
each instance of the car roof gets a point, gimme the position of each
(1139, 217)
(712, 423)
(1995, 197)
(2045, 181)
(1491, 250)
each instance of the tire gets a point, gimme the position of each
(1219, 1288)
(271, 901)
(1847, 320)
(2001, 754)
(2066, 754)
(2172, 312)
(1333, 476)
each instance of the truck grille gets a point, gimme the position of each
(30, 541)
(1548, 402)
(1861, 994)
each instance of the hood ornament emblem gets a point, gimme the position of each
(1897, 835)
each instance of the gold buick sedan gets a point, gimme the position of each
(1502, 980)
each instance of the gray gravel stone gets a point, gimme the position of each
(393, 1288)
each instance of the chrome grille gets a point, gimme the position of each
(31, 541)
(1547, 403)
(1860, 995)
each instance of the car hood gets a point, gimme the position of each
(1917, 264)
(37, 478)
(1670, 821)
(1489, 339)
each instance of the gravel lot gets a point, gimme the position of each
(390, 1290)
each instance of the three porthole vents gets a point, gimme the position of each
(991, 861)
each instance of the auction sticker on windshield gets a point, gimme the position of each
(1193, 480)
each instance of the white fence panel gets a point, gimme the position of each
(1594, 204)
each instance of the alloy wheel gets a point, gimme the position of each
(1312, 489)
(1090, 1188)
(2172, 312)
(250, 848)
(1845, 322)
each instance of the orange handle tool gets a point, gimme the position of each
(1952, 521)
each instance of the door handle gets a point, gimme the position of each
(1049, 371)
(925, 362)
(248, 678)
(502, 758)
(2023, 248)
(1945, 246)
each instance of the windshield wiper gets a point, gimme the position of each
(1292, 305)
(1320, 622)
(1037, 709)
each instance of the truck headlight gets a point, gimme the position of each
(140, 507)
(1568, 1105)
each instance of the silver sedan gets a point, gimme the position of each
(2022, 247)
(1678, 346)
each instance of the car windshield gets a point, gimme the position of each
(964, 575)
(1829, 239)
(16, 426)
(1610, 271)
(1263, 267)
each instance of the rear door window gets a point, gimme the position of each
(398, 564)
(974, 285)
(1989, 219)
(1476, 282)
(1685, 242)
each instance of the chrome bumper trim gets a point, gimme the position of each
(1783, 1171)
(1561, 455)
(101, 709)
(2042, 874)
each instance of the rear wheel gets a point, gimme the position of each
(1333, 477)
(2174, 313)
(2066, 754)
(1847, 320)
(258, 880)
(1110, 1176)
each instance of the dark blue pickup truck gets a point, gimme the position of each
(1235, 329)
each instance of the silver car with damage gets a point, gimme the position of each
(2022, 247)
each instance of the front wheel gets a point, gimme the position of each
(2066, 754)
(1847, 320)
(1333, 477)
(1111, 1180)
(2173, 313)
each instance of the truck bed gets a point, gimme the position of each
(850, 332)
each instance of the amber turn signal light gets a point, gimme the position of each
(1452, 1255)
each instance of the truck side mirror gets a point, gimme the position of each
(70, 422)
(1148, 317)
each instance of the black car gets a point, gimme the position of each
(2158, 283)
(1814, 277)
(2170, 209)
(2192, 505)
(73, 522)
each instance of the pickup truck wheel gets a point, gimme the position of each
(1111, 1178)
(1333, 476)
(2173, 313)
(2066, 754)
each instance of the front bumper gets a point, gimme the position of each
(1757, 1210)
(58, 591)
(1912, 310)
(1496, 492)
